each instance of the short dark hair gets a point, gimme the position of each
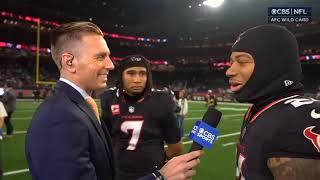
(68, 33)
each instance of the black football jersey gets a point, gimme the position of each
(139, 129)
(288, 127)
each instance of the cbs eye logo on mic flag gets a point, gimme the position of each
(204, 134)
(289, 14)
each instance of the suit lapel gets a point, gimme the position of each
(108, 137)
(93, 119)
(76, 97)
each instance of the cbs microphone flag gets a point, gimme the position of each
(204, 134)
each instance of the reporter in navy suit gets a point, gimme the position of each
(66, 139)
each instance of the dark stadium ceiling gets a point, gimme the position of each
(159, 18)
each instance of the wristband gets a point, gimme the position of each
(158, 175)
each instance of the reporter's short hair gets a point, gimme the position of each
(67, 34)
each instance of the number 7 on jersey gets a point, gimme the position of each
(133, 127)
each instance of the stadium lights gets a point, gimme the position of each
(213, 3)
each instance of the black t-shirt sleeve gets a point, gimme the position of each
(169, 122)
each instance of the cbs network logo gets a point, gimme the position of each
(289, 14)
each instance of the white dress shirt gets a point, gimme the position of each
(83, 93)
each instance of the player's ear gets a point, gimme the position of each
(68, 63)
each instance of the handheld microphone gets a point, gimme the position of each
(204, 133)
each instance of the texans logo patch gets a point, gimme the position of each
(312, 136)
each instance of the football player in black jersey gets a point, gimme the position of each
(140, 121)
(280, 134)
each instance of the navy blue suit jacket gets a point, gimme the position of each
(66, 142)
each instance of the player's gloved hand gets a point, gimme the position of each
(181, 167)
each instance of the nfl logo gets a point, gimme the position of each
(115, 109)
(131, 109)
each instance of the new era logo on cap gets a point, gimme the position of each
(134, 58)
(288, 82)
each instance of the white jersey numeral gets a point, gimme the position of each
(297, 102)
(133, 128)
